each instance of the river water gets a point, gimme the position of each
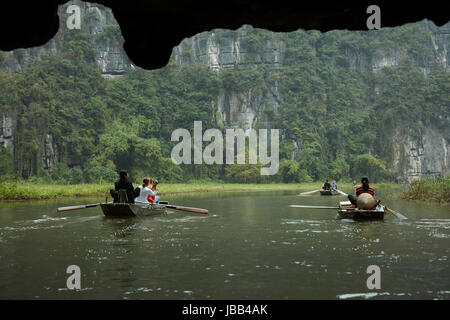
(250, 246)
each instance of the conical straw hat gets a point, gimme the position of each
(365, 201)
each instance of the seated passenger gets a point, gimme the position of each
(154, 198)
(145, 191)
(333, 185)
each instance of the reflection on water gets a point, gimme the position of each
(250, 246)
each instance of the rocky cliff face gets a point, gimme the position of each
(96, 21)
(221, 50)
(440, 38)
(438, 43)
(224, 49)
(6, 131)
(430, 154)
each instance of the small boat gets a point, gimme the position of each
(328, 192)
(132, 210)
(347, 210)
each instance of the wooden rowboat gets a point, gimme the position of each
(132, 210)
(348, 211)
(328, 193)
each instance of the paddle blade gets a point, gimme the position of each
(189, 209)
(62, 209)
(312, 207)
(398, 215)
(341, 192)
(309, 192)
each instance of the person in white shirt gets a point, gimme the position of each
(145, 192)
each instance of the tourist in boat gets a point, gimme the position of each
(153, 198)
(333, 186)
(363, 188)
(123, 184)
(326, 185)
(145, 191)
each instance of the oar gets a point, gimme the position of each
(341, 192)
(309, 192)
(312, 207)
(188, 209)
(398, 215)
(84, 206)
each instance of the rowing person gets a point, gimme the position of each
(363, 188)
(123, 184)
(326, 185)
(145, 191)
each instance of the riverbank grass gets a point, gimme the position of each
(429, 189)
(34, 191)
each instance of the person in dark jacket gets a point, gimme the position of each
(123, 184)
(364, 188)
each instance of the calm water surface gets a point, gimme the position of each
(250, 246)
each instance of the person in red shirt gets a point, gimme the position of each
(363, 188)
(153, 198)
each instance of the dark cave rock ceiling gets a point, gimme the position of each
(152, 28)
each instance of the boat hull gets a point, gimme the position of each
(348, 211)
(361, 214)
(328, 193)
(131, 210)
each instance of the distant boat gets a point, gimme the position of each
(328, 193)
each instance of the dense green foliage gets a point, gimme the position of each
(436, 189)
(342, 117)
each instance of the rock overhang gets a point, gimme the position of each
(152, 28)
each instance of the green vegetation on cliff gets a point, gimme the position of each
(342, 117)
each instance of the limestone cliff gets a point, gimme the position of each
(429, 154)
(96, 21)
(221, 49)
(6, 130)
(226, 49)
